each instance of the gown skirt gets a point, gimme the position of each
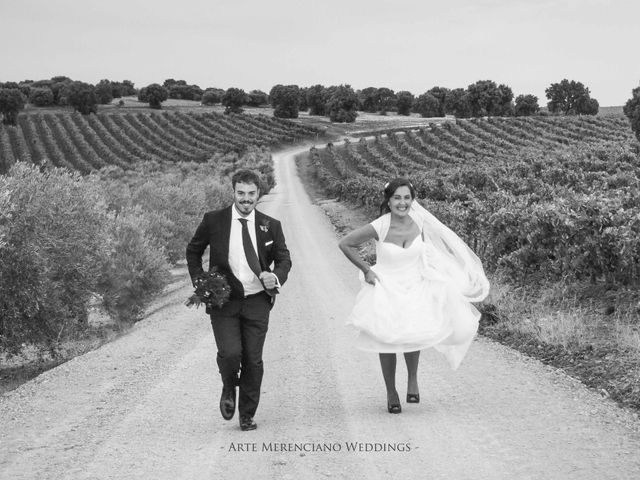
(412, 307)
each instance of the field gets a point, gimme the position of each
(123, 138)
(552, 207)
(551, 204)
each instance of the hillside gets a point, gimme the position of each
(123, 138)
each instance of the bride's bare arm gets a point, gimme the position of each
(351, 242)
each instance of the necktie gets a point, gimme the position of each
(249, 251)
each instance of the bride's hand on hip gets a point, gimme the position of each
(371, 277)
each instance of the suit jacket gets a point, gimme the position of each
(214, 232)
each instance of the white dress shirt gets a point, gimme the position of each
(237, 259)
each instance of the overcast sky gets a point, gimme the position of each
(401, 44)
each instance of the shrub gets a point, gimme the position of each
(632, 111)
(136, 267)
(51, 252)
(167, 203)
(163, 204)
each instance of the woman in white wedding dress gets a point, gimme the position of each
(419, 292)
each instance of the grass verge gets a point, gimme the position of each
(33, 360)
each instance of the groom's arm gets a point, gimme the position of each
(196, 248)
(281, 256)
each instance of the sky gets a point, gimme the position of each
(409, 45)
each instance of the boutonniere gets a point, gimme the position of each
(264, 225)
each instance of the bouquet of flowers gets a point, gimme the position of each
(212, 289)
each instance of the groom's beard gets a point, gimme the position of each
(245, 207)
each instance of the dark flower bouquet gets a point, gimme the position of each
(212, 289)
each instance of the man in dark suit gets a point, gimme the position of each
(243, 244)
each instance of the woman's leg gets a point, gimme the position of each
(388, 364)
(411, 359)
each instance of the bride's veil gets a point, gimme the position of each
(452, 257)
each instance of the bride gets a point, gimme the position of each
(418, 293)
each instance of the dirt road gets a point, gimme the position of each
(146, 405)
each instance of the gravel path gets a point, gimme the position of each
(145, 405)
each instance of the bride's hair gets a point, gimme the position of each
(390, 188)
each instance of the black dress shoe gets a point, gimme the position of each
(228, 402)
(247, 423)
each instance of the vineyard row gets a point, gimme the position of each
(86, 143)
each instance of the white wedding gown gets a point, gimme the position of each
(413, 306)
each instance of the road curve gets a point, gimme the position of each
(145, 405)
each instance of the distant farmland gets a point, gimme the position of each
(90, 142)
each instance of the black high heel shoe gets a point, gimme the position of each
(394, 407)
(413, 398)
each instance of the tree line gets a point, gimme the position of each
(340, 103)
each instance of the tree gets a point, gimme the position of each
(233, 99)
(59, 88)
(368, 99)
(570, 98)
(42, 84)
(211, 96)
(505, 105)
(526, 105)
(488, 99)
(170, 82)
(404, 102)
(181, 90)
(440, 94)
(10, 85)
(154, 94)
(457, 103)
(257, 98)
(303, 106)
(25, 88)
(342, 105)
(143, 96)
(82, 97)
(426, 105)
(632, 111)
(126, 89)
(285, 100)
(386, 100)
(104, 92)
(11, 102)
(41, 97)
(317, 100)
(588, 106)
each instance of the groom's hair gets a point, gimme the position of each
(246, 176)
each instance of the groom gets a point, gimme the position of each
(243, 244)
